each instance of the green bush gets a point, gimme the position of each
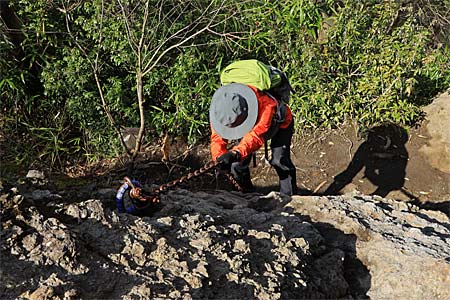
(372, 61)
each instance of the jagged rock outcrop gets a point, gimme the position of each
(223, 246)
(405, 249)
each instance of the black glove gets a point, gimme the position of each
(225, 160)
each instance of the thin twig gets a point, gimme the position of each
(319, 186)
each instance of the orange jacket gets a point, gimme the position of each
(254, 139)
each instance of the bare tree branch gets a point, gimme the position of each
(133, 46)
(139, 79)
(153, 62)
(163, 31)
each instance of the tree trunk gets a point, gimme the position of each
(140, 97)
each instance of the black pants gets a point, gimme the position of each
(280, 145)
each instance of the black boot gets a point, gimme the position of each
(246, 183)
(241, 173)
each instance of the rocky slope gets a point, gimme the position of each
(223, 245)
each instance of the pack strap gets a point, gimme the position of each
(280, 113)
(266, 153)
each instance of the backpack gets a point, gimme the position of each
(261, 76)
(265, 78)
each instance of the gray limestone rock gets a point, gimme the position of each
(225, 246)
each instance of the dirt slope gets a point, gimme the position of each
(388, 160)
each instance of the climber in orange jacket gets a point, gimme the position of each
(241, 112)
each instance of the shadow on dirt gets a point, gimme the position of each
(383, 157)
(156, 171)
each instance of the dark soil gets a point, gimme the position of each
(384, 161)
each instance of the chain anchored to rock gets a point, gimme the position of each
(153, 196)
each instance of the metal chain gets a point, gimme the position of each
(154, 194)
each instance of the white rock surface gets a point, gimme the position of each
(437, 150)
